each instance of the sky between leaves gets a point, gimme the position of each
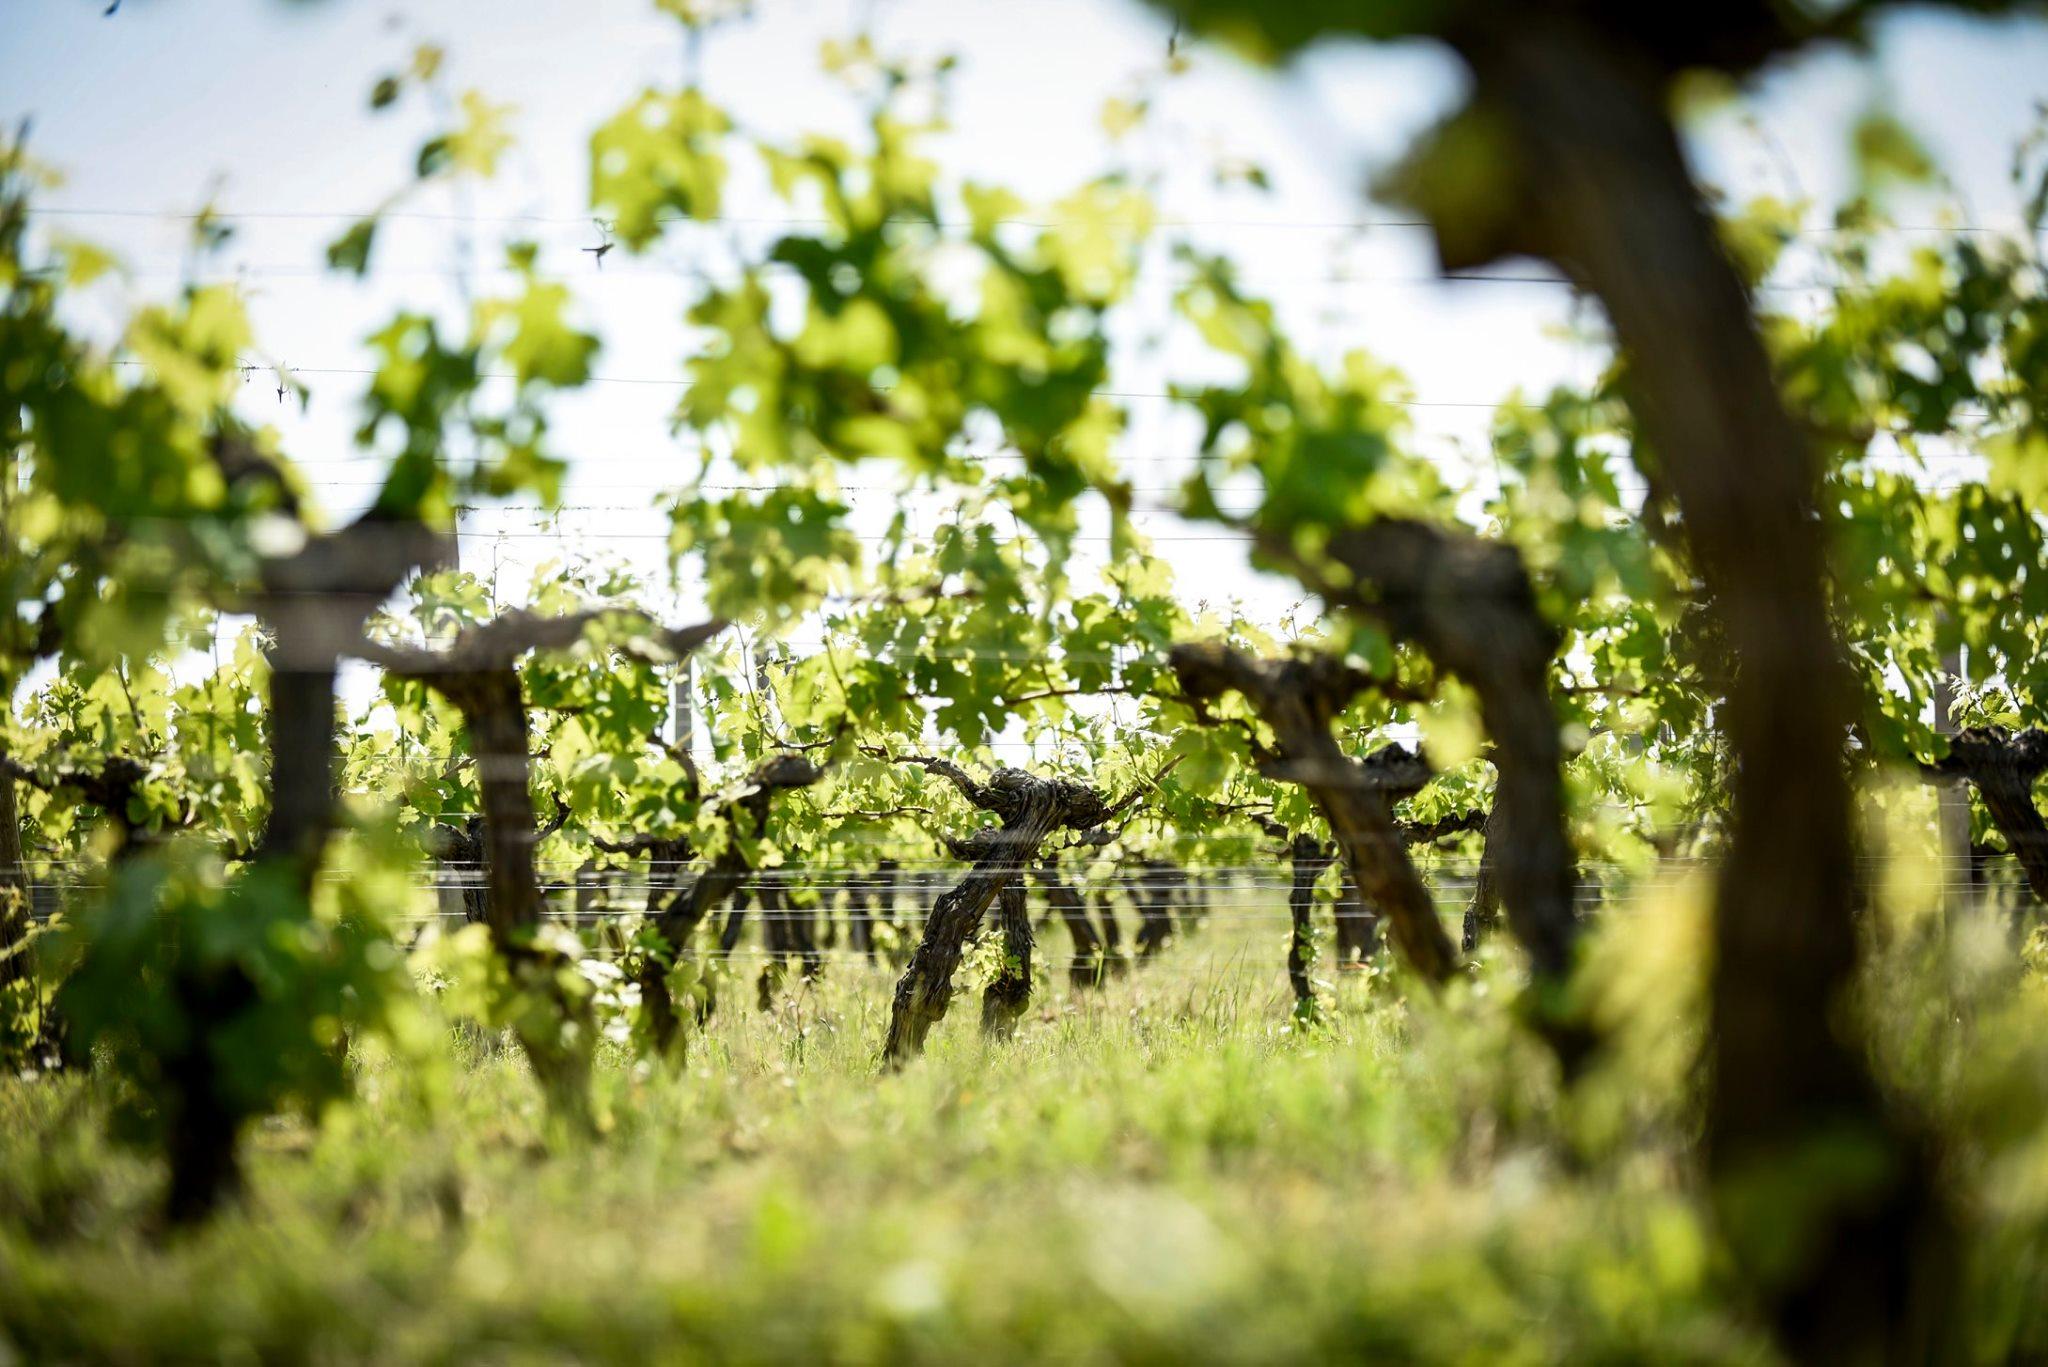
(261, 106)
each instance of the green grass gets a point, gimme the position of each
(1166, 1171)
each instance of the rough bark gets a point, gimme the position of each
(1298, 699)
(925, 990)
(2003, 768)
(1029, 809)
(1861, 1268)
(1008, 994)
(1467, 602)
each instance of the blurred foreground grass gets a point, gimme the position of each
(1167, 1170)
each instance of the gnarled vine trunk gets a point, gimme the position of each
(1299, 699)
(728, 875)
(1468, 603)
(925, 990)
(478, 672)
(1029, 809)
(2003, 768)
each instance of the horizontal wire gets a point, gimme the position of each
(267, 366)
(2017, 227)
(670, 217)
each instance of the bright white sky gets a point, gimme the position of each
(261, 105)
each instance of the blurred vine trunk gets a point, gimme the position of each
(1085, 969)
(735, 928)
(1113, 954)
(458, 854)
(1153, 896)
(888, 880)
(807, 909)
(1008, 994)
(17, 963)
(729, 876)
(1860, 1267)
(304, 671)
(493, 707)
(1357, 925)
(860, 915)
(1482, 918)
(590, 890)
(776, 940)
(315, 603)
(668, 861)
(1469, 604)
(826, 919)
(1190, 895)
(1307, 858)
(788, 926)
